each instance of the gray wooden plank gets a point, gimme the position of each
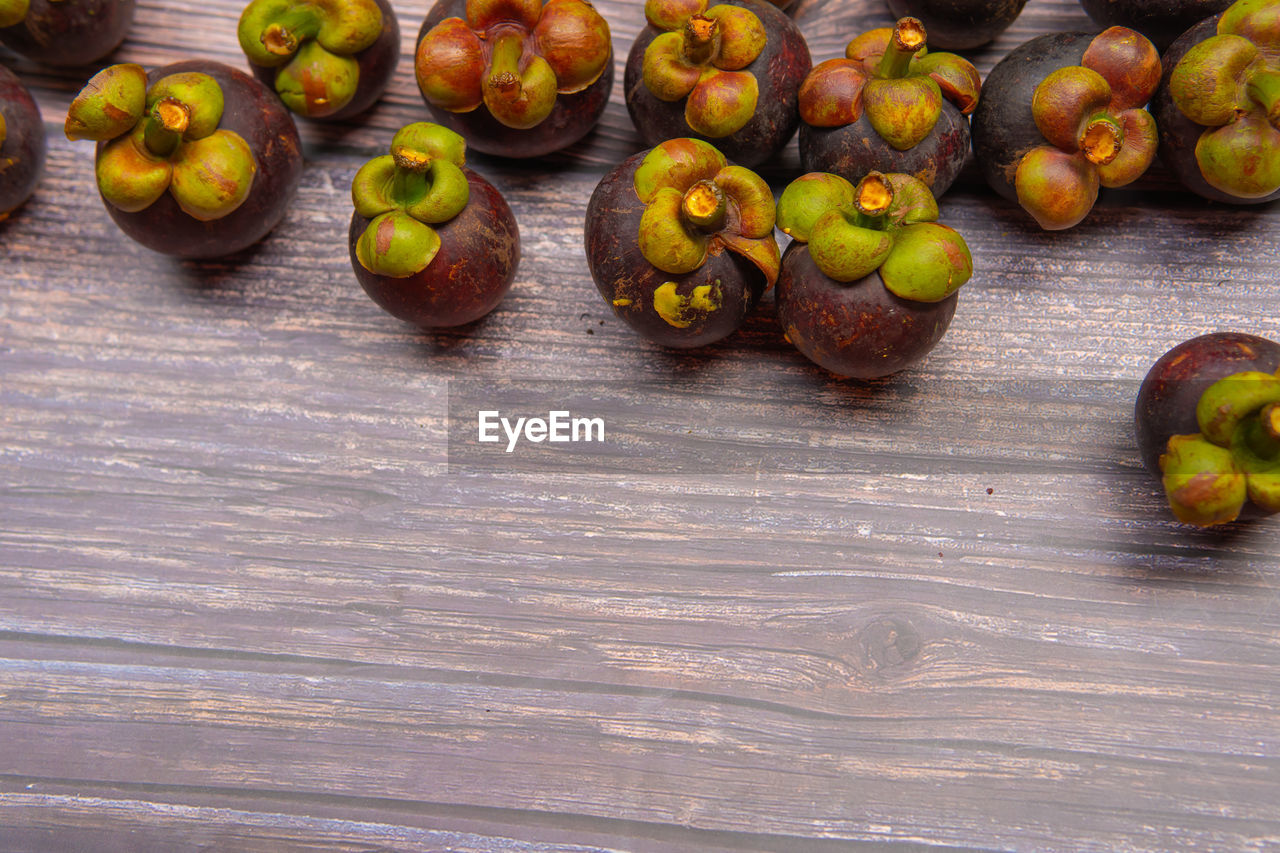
(234, 564)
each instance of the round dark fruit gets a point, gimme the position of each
(1063, 115)
(1218, 106)
(1207, 420)
(22, 143)
(724, 72)
(960, 24)
(194, 159)
(517, 78)
(329, 60)
(1162, 21)
(868, 284)
(680, 242)
(432, 242)
(889, 106)
(64, 32)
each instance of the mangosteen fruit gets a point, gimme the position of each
(680, 242)
(64, 32)
(1208, 427)
(22, 143)
(194, 159)
(431, 242)
(1218, 106)
(960, 24)
(326, 59)
(868, 284)
(1162, 21)
(725, 72)
(889, 106)
(1064, 114)
(517, 78)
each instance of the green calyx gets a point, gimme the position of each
(903, 111)
(317, 83)
(519, 97)
(165, 137)
(1230, 84)
(1202, 482)
(889, 75)
(109, 105)
(419, 184)
(1235, 459)
(695, 201)
(514, 57)
(1096, 130)
(13, 12)
(312, 44)
(886, 223)
(271, 31)
(701, 56)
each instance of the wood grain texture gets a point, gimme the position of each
(247, 603)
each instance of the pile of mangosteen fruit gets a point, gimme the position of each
(199, 159)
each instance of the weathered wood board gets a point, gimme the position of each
(248, 600)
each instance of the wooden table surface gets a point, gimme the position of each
(248, 600)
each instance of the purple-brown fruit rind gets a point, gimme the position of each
(376, 65)
(1167, 400)
(857, 329)
(778, 71)
(1180, 136)
(455, 92)
(22, 143)
(1162, 21)
(69, 32)
(855, 149)
(865, 113)
(869, 282)
(1062, 115)
(1003, 126)
(680, 310)
(960, 24)
(1172, 392)
(255, 114)
(470, 274)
